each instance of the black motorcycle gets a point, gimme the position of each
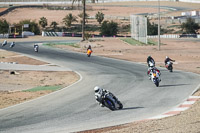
(36, 48)
(169, 66)
(111, 102)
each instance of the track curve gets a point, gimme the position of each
(74, 108)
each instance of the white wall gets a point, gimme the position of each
(191, 1)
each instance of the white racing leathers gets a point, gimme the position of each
(4, 43)
(12, 44)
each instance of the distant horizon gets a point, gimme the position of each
(23, 2)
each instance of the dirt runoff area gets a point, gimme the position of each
(15, 85)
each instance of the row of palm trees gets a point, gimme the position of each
(69, 19)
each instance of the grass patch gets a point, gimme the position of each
(174, 26)
(134, 42)
(63, 43)
(43, 88)
(151, 42)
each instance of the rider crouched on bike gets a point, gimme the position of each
(151, 66)
(167, 60)
(89, 48)
(150, 59)
(100, 93)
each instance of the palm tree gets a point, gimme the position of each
(100, 17)
(54, 24)
(81, 16)
(43, 22)
(69, 19)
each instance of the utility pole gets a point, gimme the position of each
(159, 25)
(83, 22)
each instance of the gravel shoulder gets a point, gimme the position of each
(14, 83)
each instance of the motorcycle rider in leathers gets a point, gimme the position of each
(99, 95)
(149, 58)
(4, 43)
(167, 59)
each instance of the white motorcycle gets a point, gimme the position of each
(155, 77)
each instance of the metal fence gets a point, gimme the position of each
(139, 28)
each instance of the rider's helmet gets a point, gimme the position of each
(96, 89)
(149, 56)
(166, 57)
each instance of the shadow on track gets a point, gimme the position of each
(173, 85)
(129, 108)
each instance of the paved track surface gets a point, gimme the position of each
(74, 108)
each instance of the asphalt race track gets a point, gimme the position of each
(74, 108)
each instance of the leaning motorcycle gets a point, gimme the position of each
(12, 44)
(4, 43)
(111, 102)
(155, 77)
(169, 66)
(36, 48)
(89, 52)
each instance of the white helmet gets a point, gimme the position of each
(96, 89)
(166, 57)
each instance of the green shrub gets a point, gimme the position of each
(190, 27)
(109, 28)
(4, 26)
(33, 26)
